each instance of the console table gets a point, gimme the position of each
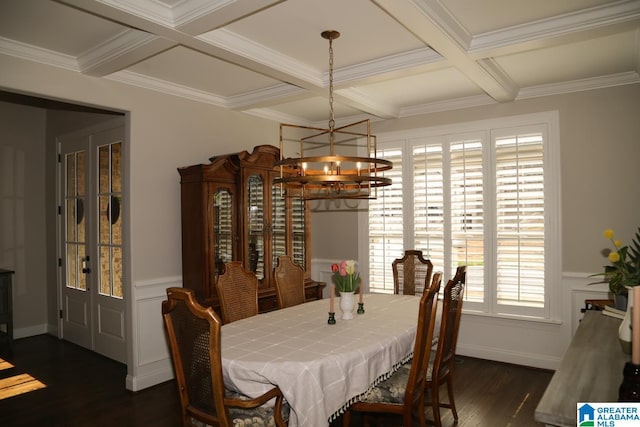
(6, 310)
(590, 371)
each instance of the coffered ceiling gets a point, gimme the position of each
(394, 58)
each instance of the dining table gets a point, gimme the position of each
(320, 368)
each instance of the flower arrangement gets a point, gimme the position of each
(345, 276)
(625, 263)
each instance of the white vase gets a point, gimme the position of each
(347, 304)
(624, 331)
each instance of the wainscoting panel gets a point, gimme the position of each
(151, 357)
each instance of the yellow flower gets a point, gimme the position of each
(614, 257)
(608, 233)
(617, 243)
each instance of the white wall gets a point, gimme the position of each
(600, 139)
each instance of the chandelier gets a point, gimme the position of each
(333, 162)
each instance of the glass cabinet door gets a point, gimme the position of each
(278, 224)
(255, 222)
(222, 229)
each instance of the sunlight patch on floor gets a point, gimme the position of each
(17, 384)
(5, 365)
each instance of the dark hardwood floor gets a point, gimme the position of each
(86, 389)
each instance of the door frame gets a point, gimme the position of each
(123, 356)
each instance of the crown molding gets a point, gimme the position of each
(266, 95)
(525, 93)
(256, 52)
(440, 16)
(447, 105)
(276, 116)
(38, 54)
(358, 98)
(601, 82)
(149, 10)
(146, 82)
(390, 64)
(96, 61)
(599, 16)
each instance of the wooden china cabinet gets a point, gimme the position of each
(231, 210)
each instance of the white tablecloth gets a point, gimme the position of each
(320, 368)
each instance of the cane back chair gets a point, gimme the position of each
(289, 280)
(404, 391)
(237, 292)
(441, 369)
(194, 339)
(411, 273)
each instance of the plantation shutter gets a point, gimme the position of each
(428, 202)
(386, 226)
(520, 220)
(467, 214)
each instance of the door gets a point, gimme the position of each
(91, 240)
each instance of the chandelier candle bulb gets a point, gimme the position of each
(635, 327)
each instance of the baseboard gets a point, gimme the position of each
(160, 372)
(514, 357)
(30, 331)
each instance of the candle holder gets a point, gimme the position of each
(332, 318)
(360, 308)
(630, 388)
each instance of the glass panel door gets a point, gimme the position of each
(76, 232)
(92, 289)
(110, 220)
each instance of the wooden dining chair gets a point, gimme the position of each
(411, 273)
(194, 339)
(237, 292)
(461, 274)
(289, 281)
(403, 392)
(441, 368)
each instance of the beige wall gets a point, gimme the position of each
(22, 207)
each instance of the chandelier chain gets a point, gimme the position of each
(332, 122)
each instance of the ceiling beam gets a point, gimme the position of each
(432, 24)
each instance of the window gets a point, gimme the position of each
(482, 194)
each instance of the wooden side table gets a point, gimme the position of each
(6, 308)
(590, 371)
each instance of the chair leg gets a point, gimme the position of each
(435, 404)
(452, 402)
(421, 410)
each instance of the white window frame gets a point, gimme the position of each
(548, 124)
